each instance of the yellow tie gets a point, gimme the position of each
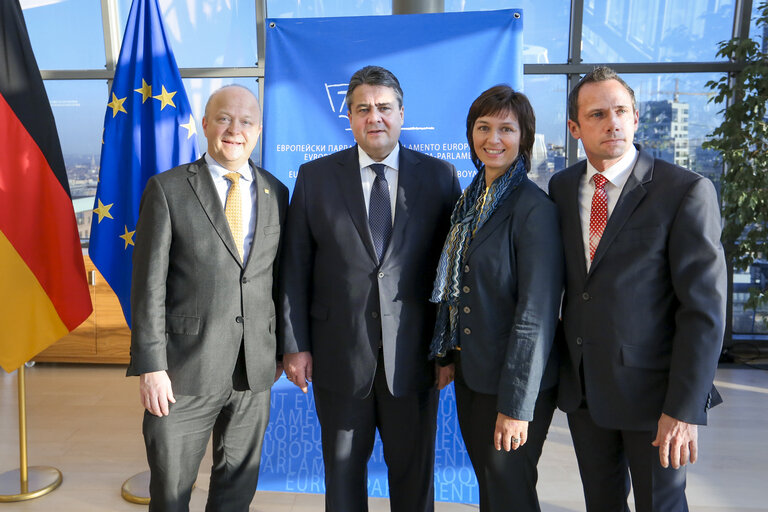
(233, 211)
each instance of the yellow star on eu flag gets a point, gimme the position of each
(165, 98)
(191, 127)
(103, 211)
(146, 91)
(128, 237)
(117, 105)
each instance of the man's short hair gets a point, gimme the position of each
(599, 74)
(374, 75)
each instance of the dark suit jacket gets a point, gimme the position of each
(193, 302)
(514, 274)
(338, 301)
(647, 321)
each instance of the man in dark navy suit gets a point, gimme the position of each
(363, 238)
(644, 305)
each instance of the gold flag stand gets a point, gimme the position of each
(136, 488)
(26, 483)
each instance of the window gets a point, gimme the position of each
(545, 25)
(655, 31)
(49, 22)
(78, 108)
(207, 33)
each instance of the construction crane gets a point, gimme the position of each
(676, 93)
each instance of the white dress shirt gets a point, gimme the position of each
(248, 196)
(390, 173)
(617, 176)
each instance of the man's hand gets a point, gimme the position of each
(444, 374)
(155, 392)
(678, 442)
(298, 368)
(510, 433)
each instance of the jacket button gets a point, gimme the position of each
(465, 289)
(380, 275)
(466, 268)
(467, 309)
(579, 341)
(239, 319)
(585, 296)
(467, 330)
(374, 314)
(244, 280)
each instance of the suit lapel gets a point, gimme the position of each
(499, 216)
(351, 186)
(408, 186)
(571, 215)
(631, 195)
(202, 184)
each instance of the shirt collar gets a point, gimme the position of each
(219, 170)
(392, 161)
(618, 173)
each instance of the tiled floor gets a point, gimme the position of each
(85, 421)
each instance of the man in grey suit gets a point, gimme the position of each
(363, 238)
(644, 305)
(203, 340)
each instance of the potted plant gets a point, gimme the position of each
(742, 141)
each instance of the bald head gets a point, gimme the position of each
(232, 125)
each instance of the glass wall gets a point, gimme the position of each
(655, 30)
(216, 42)
(545, 24)
(207, 34)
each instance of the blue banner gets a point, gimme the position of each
(148, 129)
(443, 62)
(292, 457)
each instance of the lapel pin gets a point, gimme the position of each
(266, 191)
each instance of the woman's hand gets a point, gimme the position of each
(510, 433)
(444, 374)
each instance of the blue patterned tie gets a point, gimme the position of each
(380, 211)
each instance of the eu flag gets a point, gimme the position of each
(148, 129)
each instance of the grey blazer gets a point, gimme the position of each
(647, 321)
(511, 284)
(193, 302)
(338, 301)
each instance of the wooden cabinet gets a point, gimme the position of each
(104, 337)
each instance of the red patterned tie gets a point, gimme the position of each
(599, 215)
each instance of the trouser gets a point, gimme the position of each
(506, 480)
(610, 459)
(176, 444)
(406, 426)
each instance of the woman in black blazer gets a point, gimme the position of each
(498, 291)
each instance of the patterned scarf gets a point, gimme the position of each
(472, 210)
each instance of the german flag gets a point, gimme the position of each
(43, 291)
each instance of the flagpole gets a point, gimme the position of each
(136, 489)
(26, 483)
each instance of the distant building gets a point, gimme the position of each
(663, 130)
(541, 168)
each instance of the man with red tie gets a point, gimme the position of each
(644, 305)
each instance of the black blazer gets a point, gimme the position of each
(338, 301)
(193, 302)
(647, 321)
(510, 301)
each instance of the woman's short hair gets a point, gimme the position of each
(501, 100)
